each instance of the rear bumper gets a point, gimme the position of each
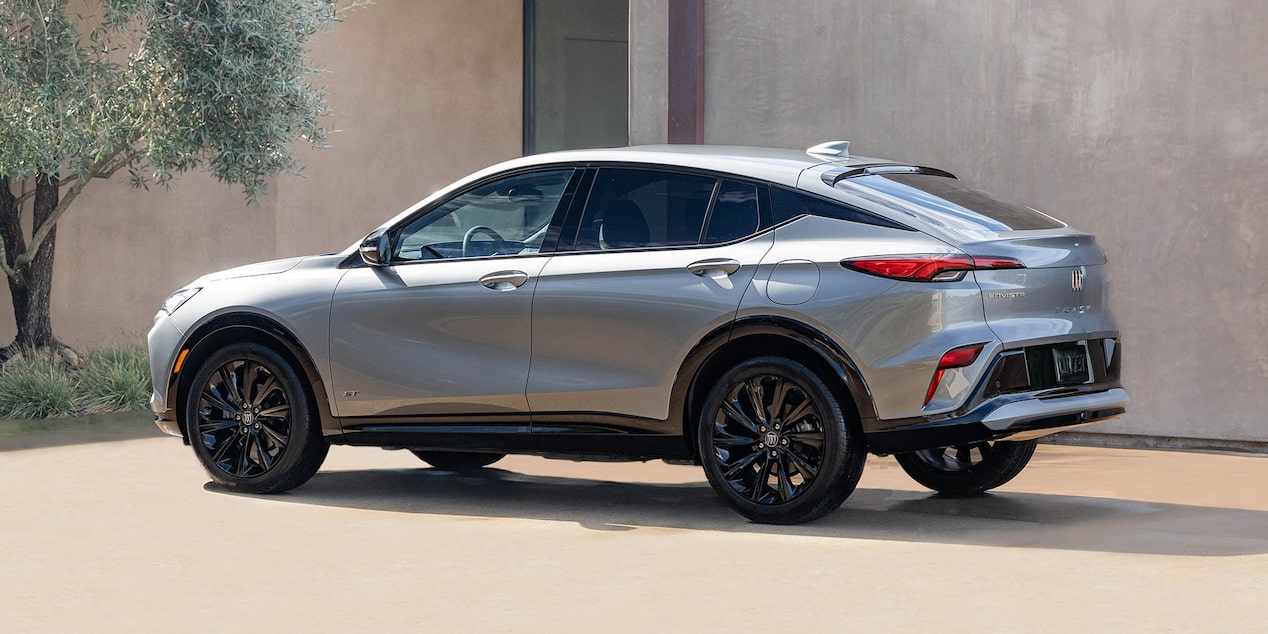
(1009, 417)
(1086, 408)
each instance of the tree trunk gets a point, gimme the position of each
(32, 287)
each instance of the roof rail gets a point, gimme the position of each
(838, 149)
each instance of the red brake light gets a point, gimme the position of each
(995, 262)
(960, 357)
(928, 268)
(920, 268)
(957, 358)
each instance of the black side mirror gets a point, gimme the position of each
(376, 248)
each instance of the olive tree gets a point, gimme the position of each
(149, 88)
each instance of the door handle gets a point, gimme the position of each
(504, 280)
(712, 267)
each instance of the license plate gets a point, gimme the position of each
(1072, 364)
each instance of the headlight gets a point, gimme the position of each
(175, 300)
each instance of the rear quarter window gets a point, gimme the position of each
(947, 202)
(787, 205)
(735, 213)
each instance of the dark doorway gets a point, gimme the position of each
(576, 74)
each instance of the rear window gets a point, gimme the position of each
(947, 202)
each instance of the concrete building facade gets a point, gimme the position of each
(1145, 122)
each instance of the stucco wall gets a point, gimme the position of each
(420, 94)
(649, 71)
(1143, 122)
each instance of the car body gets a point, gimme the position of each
(591, 304)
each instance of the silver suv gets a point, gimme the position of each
(772, 315)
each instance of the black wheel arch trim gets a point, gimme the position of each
(201, 343)
(688, 393)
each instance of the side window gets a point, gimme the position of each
(630, 209)
(734, 213)
(789, 204)
(505, 217)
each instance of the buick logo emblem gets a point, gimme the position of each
(772, 439)
(1076, 280)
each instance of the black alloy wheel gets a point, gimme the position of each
(250, 421)
(967, 469)
(776, 445)
(457, 461)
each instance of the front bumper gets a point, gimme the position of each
(1009, 417)
(168, 425)
(164, 343)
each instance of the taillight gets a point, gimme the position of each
(928, 268)
(957, 358)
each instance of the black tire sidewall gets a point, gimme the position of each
(1008, 459)
(305, 446)
(843, 453)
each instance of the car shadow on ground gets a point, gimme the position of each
(1001, 519)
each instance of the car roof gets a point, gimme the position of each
(776, 165)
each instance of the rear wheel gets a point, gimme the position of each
(967, 469)
(776, 445)
(457, 460)
(251, 423)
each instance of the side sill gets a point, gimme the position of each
(495, 433)
(515, 434)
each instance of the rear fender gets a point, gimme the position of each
(758, 336)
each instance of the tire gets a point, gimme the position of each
(776, 444)
(251, 421)
(457, 461)
(967, 469)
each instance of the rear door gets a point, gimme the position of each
(657, 261)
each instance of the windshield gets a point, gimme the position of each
(947, 202)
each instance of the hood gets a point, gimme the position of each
(260, 268)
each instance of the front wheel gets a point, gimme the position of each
(776, 445)
(250, 421)
(967, 469)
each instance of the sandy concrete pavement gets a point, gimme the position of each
(129, 536)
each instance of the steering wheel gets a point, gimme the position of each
(477, 230)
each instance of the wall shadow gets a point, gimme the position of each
(57, 432)
(1005, 519)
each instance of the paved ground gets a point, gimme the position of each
(128, 536)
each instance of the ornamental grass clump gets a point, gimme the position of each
(35, 386)
(114, 379)
(43, 384)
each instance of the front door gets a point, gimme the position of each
(443, 331)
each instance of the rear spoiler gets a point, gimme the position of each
(834, 176)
